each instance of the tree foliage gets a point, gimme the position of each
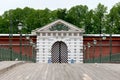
(93, 21)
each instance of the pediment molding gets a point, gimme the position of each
(59, 26)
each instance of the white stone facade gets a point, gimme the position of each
(73, 38)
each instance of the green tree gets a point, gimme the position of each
(58, 14)
(99, 18)
(114, 19)
(4, 25)
(89, 22)
(76, 15)
(93, 21)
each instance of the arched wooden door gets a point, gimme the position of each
(59, 52)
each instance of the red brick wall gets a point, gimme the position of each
(26, 48)
(105, 46)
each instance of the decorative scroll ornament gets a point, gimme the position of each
(59, 27)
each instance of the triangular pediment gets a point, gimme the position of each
(59, 25)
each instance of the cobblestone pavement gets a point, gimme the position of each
(39, 71)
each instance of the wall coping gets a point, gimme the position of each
(98, 35)
(85, 35)
(17, 34)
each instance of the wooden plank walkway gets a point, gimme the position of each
(38, 71)
(6, 65)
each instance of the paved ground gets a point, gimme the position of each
(6, 65)
(37, 71)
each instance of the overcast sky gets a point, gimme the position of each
(52, 4)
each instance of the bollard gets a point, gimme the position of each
(72, 61)
(49, 60)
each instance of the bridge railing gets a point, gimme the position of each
(7, 54)
(115, 58)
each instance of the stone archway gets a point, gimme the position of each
(59, 52)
